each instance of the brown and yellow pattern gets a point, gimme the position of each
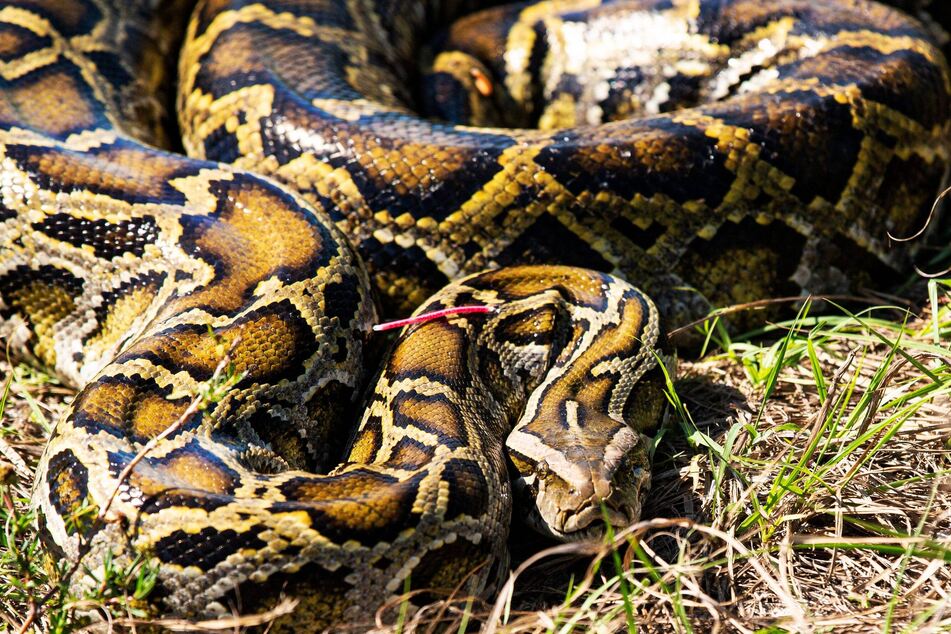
(787, 121)
(709, 150)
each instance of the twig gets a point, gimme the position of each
(924, 227)
(285, 607)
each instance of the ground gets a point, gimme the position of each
(800, 483)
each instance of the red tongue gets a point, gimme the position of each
(436, 314)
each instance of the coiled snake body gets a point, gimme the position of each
(714, 150)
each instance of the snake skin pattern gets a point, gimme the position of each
(826, 130)
(714, 150)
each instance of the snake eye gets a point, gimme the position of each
(542, 470)
(482, 82)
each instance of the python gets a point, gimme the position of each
(743, 149)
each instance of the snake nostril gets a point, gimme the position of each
(542, 470)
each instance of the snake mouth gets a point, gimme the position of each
(592, 520)
(569, 515)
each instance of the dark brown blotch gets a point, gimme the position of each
(54, 100)
(68, 481)
(108, 239)
(208, 547)
(16, 41)
(275, 342)
(124, 170)
(435, 414)
(257, 231)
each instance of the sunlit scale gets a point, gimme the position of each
(711, 151)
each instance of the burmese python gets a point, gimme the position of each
(758, 148)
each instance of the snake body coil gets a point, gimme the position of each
(714, 150)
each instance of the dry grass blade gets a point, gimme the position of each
(233, 623)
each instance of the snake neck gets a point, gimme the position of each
(541, 375)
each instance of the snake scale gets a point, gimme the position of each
(707, 150)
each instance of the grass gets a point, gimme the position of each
(801, 483)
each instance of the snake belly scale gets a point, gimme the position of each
(755, 148)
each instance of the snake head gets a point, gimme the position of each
(580, 468)
(460, 89)
(573, 491)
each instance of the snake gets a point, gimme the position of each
(505, 170)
